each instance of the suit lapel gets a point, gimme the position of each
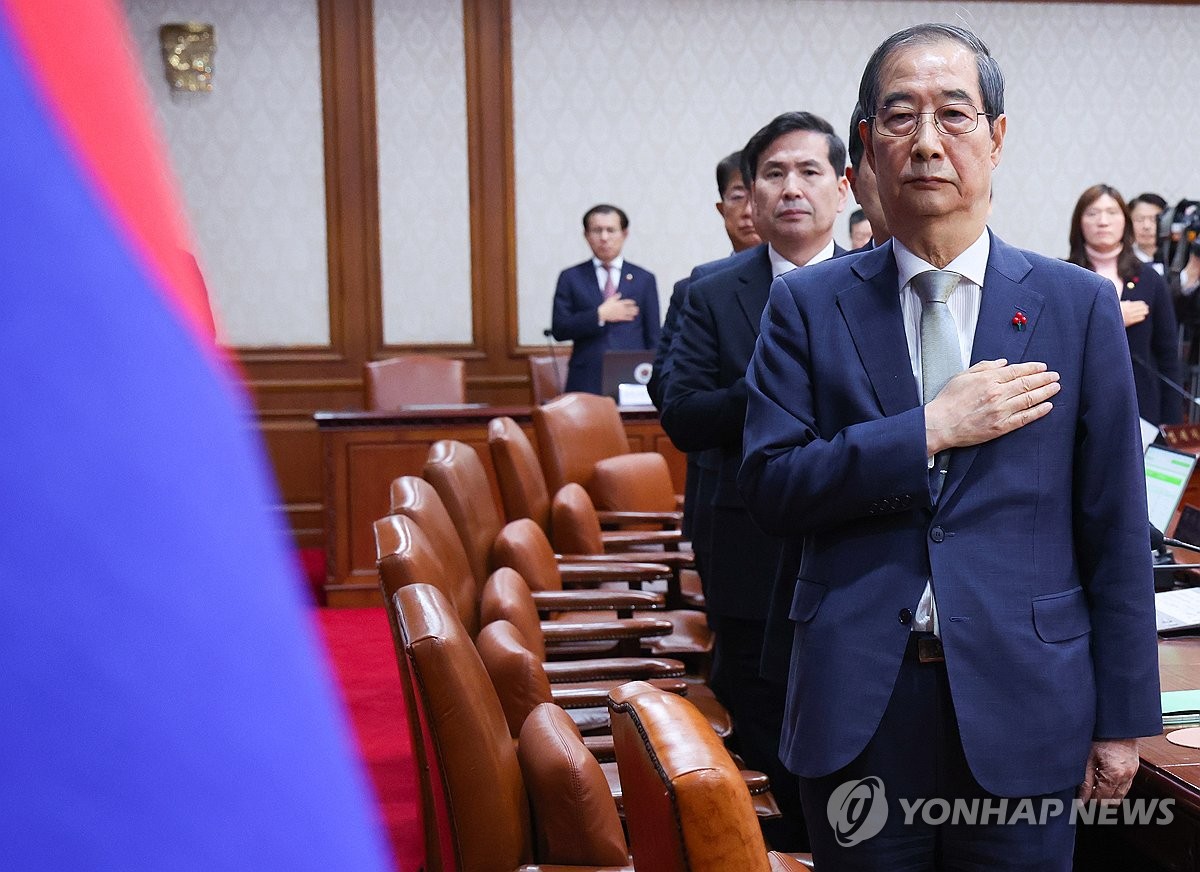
(1005, 299)
(873, 317)
(754, 288)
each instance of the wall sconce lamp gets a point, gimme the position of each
(188, 50)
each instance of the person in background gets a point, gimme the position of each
(796, 168)
(1144, 210)
(860, 229)
(734, 209)
(1102, 240)
(861, 177)
(603, 303)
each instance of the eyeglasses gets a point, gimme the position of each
(953, 119)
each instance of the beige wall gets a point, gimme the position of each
(631, 101)
(635, 102)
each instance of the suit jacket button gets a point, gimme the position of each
(905, 616)
(937, 534)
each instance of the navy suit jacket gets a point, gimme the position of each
(576, 299)
(1154, 346)
(1037, 548)
(704, 410)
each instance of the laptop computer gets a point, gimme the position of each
(627, 368)
(1167, 475)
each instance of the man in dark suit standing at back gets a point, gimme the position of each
(948, 427)
(603, 304)
(794, 167)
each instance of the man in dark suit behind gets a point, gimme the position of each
(606, 303)
(794, 166)
(734, 208)
(974, 606)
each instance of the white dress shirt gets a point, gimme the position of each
(964, 309)
(781, 265)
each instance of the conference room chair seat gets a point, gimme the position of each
(581, 439)
(581, 539)
(523, 546)
(525, 494)
(521, 686)
(414, 379)
(686, 807)
(476, 799)
(547, 375)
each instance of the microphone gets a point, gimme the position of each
(559, 380)
(1159, 541)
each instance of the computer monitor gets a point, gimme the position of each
(625, 367)
(1167, 474)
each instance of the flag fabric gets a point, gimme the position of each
(165, 701)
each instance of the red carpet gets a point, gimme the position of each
(364, 662)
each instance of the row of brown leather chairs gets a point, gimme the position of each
(451, 573)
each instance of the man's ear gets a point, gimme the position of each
(864, 133)
(721, 207)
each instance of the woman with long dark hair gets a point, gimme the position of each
(1102, 240)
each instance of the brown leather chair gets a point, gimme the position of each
(414, 379)
(457, 474)
(477, 777)
(686, 806)
(581, 438)
(523, 546)
(547, 375)
(524, 492)
(460, 479)
(418, 543)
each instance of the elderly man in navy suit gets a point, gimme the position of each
(794, 166)
(948, 426)
(603, 304)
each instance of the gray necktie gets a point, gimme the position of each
(941, 355)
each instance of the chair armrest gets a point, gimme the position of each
(601, 747)
(671, 559)
(790, 862)
(616, 518)
(595, 600)
(594, 573)
(613, 540)
(676, 686)
(617, 669)
(560, 632)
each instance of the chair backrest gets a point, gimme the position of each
(414, 379)
(417, 499)
(686, 806)
(574, 525)
(547, 376)
(506, 597)
(573, 432)
(522, 482)
(459, 477)
(639, 482)
(480, 776)
(406, 556)
(523, 546)
(515, 671)
(575, 818)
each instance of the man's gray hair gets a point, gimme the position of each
(991, 79)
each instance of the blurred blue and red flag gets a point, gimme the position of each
(165, 702)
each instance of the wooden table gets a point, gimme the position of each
(361, 452)
(1167, 771)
